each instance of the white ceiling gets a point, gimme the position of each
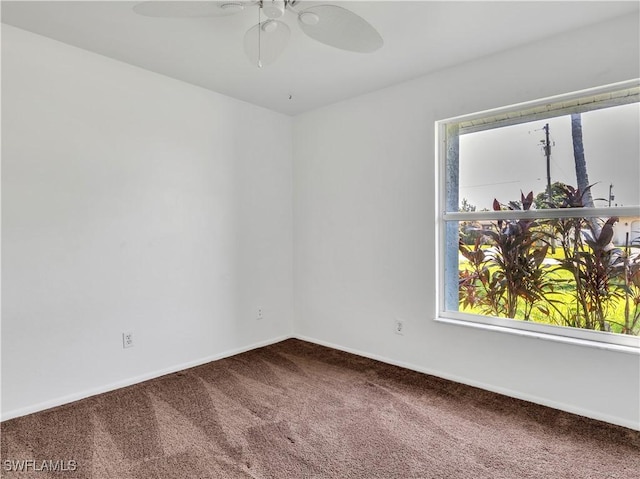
(420, 37)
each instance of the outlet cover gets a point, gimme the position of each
(127, 340)
(399, 327)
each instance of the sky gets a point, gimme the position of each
(500, 163)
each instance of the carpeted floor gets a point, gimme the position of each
(298, 410)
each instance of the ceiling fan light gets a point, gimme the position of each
(273, 8)
(232, 7)
(309, 18)
(269, 26)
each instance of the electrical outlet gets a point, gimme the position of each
(127, 340)
(259, 315)
(399, 327)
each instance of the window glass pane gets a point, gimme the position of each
(548, 272)
(500, 163)
(580, 272)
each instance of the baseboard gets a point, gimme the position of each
(488, 387)
(458, 379)
(60, 401)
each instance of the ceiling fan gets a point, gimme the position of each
(264, 42)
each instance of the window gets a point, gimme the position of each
(539, 216)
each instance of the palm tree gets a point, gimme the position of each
(581, 164)
(581, 170)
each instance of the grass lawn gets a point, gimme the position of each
(564, 299)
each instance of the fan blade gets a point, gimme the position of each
(263, 43)
(182, 9)
(340, 28)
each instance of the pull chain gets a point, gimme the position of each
(259, 35)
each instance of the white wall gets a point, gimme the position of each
(364, 221)
(131, 201)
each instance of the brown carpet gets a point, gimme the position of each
(298, 410)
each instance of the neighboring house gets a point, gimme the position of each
(627, 226)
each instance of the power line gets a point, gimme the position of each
(493, 184)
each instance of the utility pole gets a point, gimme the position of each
(547, 153)
(611, 197)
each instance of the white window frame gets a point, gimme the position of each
(581, 101)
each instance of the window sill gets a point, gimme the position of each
(543, 336)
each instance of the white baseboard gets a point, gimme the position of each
(134, 380)
(488, 387)
(458, 379)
